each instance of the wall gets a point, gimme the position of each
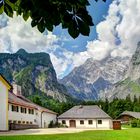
(47, 118)
(3, 107)
(34, 118)
(18, 116)
(125, 118)
(106, 123)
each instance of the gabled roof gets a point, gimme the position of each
(13, 99)
(5, 82)
(40, 108)
(22, 101)
(132, 114)
(85, 112)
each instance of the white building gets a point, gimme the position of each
(17, 111)
(86, 117)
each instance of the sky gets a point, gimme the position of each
(116, 33)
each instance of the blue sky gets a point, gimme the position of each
(98, 10)
(116, 33)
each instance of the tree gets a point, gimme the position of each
(135, 99)
(72, 14)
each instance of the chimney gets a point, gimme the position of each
(17, 89)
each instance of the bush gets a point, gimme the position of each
(135, 123)
(51, 124)
(138, 123)
(56, 124)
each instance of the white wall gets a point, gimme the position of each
(34, 118)
(3, 107)
(106, 123)
(46, 119)
(18, 116)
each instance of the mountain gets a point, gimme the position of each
(34, 72)
(130, 85)
(90, 79)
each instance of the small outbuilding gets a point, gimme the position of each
(86, 117)
(127, 116)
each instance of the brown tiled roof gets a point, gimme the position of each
(84, 112)
(130, 113)
(45, 110)
(21, 100)
(37, 106)
(13, 99)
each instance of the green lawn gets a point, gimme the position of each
(129, 134)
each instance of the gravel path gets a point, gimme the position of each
(44, 131)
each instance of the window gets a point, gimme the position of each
(14, 108)
(81, 121)
(31, 111)
(23, 110)
(63, 122)
(31, 123)
(19, 122)
(90, 122)
(23, 122)
(27, 122)
(10, 121)
(14, 122)
(99, 121)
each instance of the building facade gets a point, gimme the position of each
(16, 110)
(127, 116)
(4, 89)
(86, 117)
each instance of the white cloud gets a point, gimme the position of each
(118, 35)
(16, 34)
(19, 34)
(122, 25)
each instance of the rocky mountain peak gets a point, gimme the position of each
(134, 68)
(21, 52)
(34, 72)
(130, 84)
(87, 80)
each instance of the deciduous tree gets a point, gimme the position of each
(72, 14)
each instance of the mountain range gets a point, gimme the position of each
(130, 84)
(34, 72)
(90, 79)
(112, 77)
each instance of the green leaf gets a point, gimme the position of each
(34, 23)
(73, 30)
(26, 15)
(8, 10)
(41, 27)
(49, 26)
(13, 1)
(84, 28)
(1, 9)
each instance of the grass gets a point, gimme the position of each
(127, 134)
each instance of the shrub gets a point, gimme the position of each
(138, 123)
(51, 124)
(134, 123)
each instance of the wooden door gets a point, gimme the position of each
(116, 125)
(72, 123)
